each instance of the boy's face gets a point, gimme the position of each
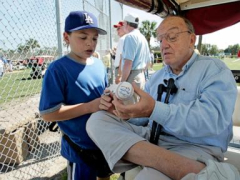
(82, 43)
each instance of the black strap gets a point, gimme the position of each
(93, 158)
(154, 136)
(170, 89)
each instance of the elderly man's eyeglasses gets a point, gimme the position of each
(171, 36)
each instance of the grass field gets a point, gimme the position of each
(233, 64)
(18, 85)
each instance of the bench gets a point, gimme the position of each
(232, 156)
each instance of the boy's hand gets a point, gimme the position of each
(106, 101)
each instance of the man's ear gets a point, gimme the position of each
(192, 40)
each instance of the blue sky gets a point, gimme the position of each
(222, 38)
(23, 22)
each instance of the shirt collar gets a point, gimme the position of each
(190, 62)
(186, 66)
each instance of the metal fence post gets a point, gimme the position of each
(110, 36)
(59, 28)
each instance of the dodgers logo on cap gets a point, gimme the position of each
(88, 18)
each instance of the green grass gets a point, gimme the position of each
(17, 85)
(13, 87)
(232, 63)
(157, 66)
(114, 177)
(64, 176)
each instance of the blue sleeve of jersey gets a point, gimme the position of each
(52, 95)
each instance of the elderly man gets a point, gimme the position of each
(196, 123)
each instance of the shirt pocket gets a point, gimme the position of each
(184, 96)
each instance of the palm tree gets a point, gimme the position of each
(28, 46)
(32, 44)
(148, 29)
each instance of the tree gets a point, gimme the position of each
(232, 49)
(204, 49)
(228, 50)
(28, 46)
(32, 44)
(213, 50)
(208, 49)
(235, 48)
(148, 29)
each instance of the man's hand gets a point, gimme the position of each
(143, 108)
(106, 102)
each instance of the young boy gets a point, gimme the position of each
(72, 88)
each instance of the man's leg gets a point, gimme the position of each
(173, 165)
(151, 174)
(120, 140)
(114, 137)
(178, 147)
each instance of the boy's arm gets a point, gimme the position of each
(67, 112)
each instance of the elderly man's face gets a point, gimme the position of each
(176, 42)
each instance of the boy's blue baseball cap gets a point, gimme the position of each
(78, 20)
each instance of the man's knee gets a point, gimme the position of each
(215, 170)
(98, 121)
(93, 122)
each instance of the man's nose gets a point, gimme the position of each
(164, 43)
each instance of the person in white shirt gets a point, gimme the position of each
(118, 57)
(2, 63)
(135, 54)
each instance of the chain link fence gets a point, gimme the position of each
(30, 40)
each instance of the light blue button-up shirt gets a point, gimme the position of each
(136, 49)
(201, 110)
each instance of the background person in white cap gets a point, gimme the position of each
(118, 57)
(135, 52)
(71, 91)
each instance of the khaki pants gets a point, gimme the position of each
(120, 135)
(138, 77)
